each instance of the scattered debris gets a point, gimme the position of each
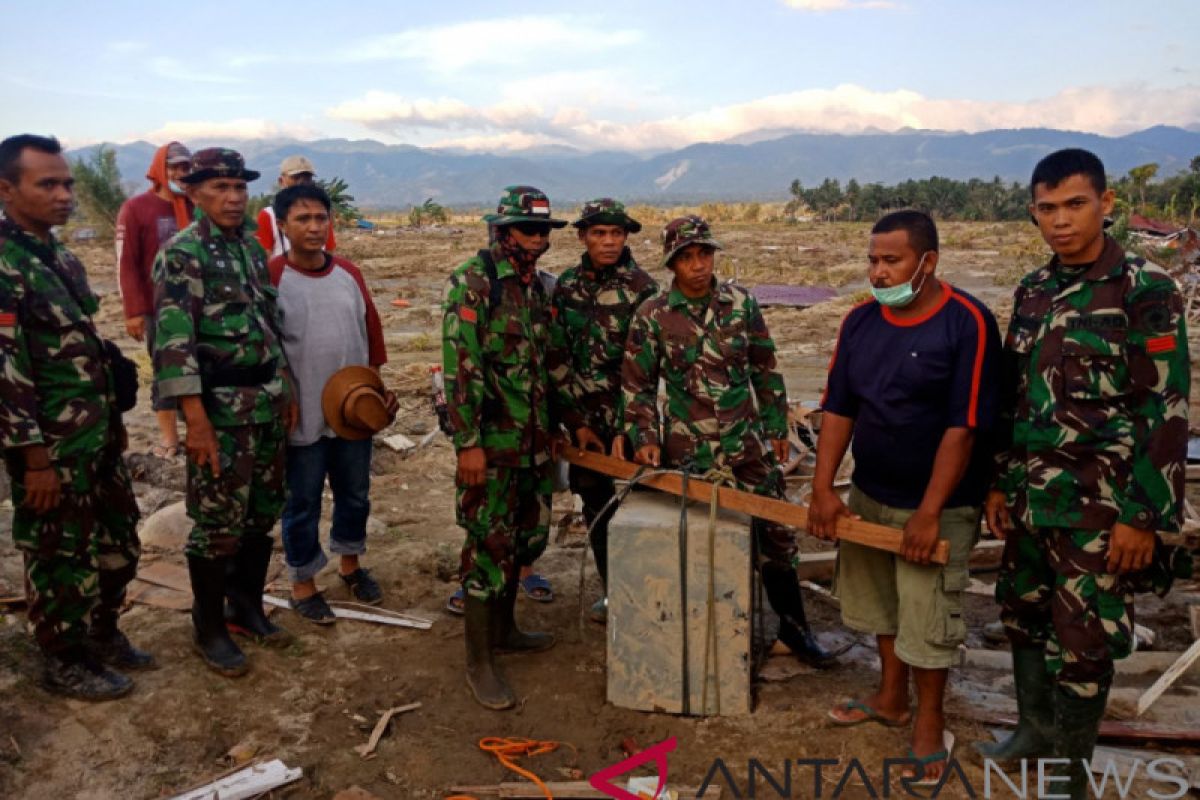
(1194, 614)
(1128, 762)
(368, 750)
(429, 437)
(251, 781)
(383, 616)
(775, 294)
(400, 302)
(1143, 637)
(399, 442)
(1185, 661)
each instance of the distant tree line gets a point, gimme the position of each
(1176, 197)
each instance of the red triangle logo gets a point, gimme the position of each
(657, 753)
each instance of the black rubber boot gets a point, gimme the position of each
(783, 592)
(112, 648)
(244, 590)
(508, 637)
(1076, 728)
(490, 690)
(211, 637)
(1034, 735)
(76, 676)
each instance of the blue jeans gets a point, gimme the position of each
(347, 464)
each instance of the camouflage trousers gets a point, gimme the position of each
(776, 543)
(246, 499)
(1055, 591)
(507, 521)
(80, 556)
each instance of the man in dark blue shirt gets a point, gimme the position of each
(913, 379)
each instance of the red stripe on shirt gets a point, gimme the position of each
(833, 358)
(8, 320)
(980, 349)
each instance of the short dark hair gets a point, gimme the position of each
(12, 147)
(1062, 164)
(922, 233)
(286, 198)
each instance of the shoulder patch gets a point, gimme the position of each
(468, 315)
(1161, 344)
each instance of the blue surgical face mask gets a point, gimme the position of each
(902, 294)
(175, 187)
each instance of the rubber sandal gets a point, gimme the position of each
(166, 452)
(537, 588)
(363, 587)
(871, 715)
(456, 602)
(314, 609)
(932, 758)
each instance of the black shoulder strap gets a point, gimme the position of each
(495, 288)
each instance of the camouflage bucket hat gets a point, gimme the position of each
(681, 232)
(218, 162)
(606, 211)
(523, 204)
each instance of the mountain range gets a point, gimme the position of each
(755, 167)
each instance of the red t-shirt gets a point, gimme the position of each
(144, 224)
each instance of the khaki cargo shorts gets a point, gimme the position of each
(884, 595)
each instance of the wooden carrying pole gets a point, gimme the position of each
(868, 534)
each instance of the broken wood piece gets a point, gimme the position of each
(164, 573)
(1138, 663)
(367, 750)
(1194, 614)
(429, 437)
(382, 616)
(399, 442)
(1185, 661)
(248, 782)
(14, 601)
(1122, 732)
(768, 508)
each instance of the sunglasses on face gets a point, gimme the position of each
(533, 228)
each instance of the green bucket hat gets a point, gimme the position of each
(523, 204)
(681, 232)
(218, 162)
(606, 211)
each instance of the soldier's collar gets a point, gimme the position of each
(208, 230)
(45, 251)
(718, 291)
(1110, 262)
(504, 267)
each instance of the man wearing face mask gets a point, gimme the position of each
(144, 224)
(913, 381)
(726, 405)
(494, 337)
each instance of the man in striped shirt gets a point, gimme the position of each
(914, 380)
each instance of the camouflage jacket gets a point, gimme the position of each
(54, 377)
(217, 328)
(1095, 397)
(591, 311)
(494, 360)
(724, 394)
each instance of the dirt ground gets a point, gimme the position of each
(311, 704)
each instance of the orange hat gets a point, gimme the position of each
(353, 403)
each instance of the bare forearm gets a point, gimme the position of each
(831, 448)
(949, 465)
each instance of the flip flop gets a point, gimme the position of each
(455, 604)
(871, 715)
(537, 588)
(932, 758)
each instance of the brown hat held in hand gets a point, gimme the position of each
(353, 403)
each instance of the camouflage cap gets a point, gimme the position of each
(681, 232)
(523, 204)
(218, 162)
(606, 211)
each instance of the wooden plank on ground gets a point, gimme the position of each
(1124, 732)
(1138, 663)
(565, 790)
(1189, 657)
(865, 533)
(1194, 615)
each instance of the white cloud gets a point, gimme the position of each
(235, 129)
(501, 42)
(841, 109)
(838, 5)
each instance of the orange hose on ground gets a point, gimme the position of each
(507, 751)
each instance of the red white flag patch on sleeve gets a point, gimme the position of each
(1161, 344)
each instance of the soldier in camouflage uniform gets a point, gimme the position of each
(591, 309)
(494, 338)
(710, 344)
(217, 348)
(1095, 404)
(76, 517)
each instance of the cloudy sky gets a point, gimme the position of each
(619, 74)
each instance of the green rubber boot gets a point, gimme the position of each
(1033, 737)
(1076, 728)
